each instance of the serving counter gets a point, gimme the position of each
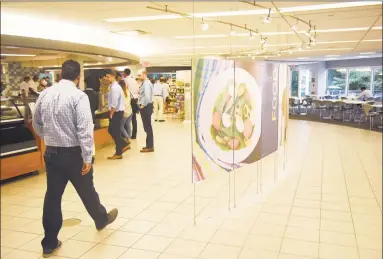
(22, 150)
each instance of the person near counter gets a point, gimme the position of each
(365, 94)
(116, 107)
(126, 127)
(146, 110)
(24, 87)
(33, 84)
(132, 88)
(63, 120)
(160, 93)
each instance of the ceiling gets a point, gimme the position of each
(341, 31)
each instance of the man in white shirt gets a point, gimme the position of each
(365, 94)
(34, 83)
(132, 87)
(24, 87)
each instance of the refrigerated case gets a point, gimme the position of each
(19, 150)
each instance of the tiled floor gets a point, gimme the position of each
(326, 202)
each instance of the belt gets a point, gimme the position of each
(63, 149)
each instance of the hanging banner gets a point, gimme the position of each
(235, 108)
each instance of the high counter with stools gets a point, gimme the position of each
(344, 109)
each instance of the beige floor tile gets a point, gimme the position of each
(337, 238)
(305, 234)
(139, 254)
(151, 215)
(289, 256)
(68, 232)
(138, 226)
(251, 254)
(15, 239)
(198, 233)
(34, 245)
(187, 248)
(92, 235)
(336, 215)
(166, 230)
(303, 203)
(101, 251)
(273, 219)
(337, 226)
(303, 222)
(229, 238)
(34, 213)
(5, 250)
(327, 251)
(242, 226)
(298, 247)
(74, 248)
(366, 209)
(120, 238)
(266, 229)
(369, 242)
(163, 206)
(267, 243)
(153, 243)
(170, 256)
(276, 209)
(370, 254)
(18, 254)
(220, 251)
(14, 210)
(14, 223)
(305, 212)
(336, 206)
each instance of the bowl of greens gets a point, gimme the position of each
(229, 121)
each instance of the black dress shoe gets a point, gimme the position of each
(49, 252)
(112, 215)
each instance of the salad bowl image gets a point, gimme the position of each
(229, 116)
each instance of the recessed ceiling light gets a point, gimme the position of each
(329, 56)
(304, 58)
(11, 47)
(367, 53)
(109, 59)
(17, 55)
(129, 33)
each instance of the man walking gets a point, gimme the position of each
(146, 110)
(116, 111)
(132, 87)
(63, 119)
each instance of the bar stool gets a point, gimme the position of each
(368, 114)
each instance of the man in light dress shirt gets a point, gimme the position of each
(132, 87)
(160, 94)
(63, 119)
(116, 107)
(365, 94)
(146, 110)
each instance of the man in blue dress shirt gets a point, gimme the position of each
(116, 105)
(146, 110)
(63, 119)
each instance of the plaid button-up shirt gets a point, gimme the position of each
(63, 118)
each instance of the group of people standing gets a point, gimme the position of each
(31, 86)
(126, 98)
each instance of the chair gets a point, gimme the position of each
(330, 108)
(318, 106)
(368, 114)
(293, 103)
(307, 102)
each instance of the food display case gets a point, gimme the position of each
(19, 151)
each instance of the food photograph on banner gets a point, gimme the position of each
(236, 112)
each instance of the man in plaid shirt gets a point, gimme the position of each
(63, 120)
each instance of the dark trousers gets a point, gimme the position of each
(63, 165)
(115, 131)
(146, 116)
(134, 124)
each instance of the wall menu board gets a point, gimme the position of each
(236, 113)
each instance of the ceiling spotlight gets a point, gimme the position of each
(295, 27)
(266, 57)
(263, 40)
(267, 18)
(256, 32)
(204, 26)
(109, 59)
(252, 57)
(249, 55)
(300, 48)
(251, 35)
(290, 52)
(279, 54)
(257, 53)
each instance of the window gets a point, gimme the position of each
(358, 78)
(294, 83)
(377, 82)
(336, 81)
(304, 82)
